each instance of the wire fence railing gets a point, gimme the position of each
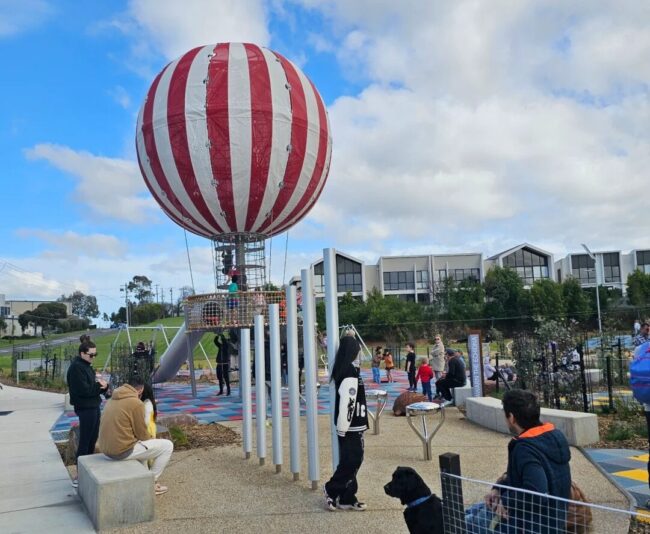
(479, 507)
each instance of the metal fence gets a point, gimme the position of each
(47, 362)
(480, 507)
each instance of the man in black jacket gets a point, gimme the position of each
(85, 389)
(454, 378)
(223, 362)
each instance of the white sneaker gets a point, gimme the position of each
(357, 506)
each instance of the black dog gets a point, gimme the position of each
(423, 513)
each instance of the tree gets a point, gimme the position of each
(105, 317)
(506, 297)
(464, 300)
(3, 324)
(576, 300)
(82, 305)
(45, 315)
(146, 313)
(638, 289)
(547, 299)
(140, 286)
(119, 316)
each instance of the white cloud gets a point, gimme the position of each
(111, 187)
(18, 16)
(121, 96)
(71, 243)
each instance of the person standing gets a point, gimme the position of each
(455, 377)
(437, 359)
(388, 365)
(85, 390)
(410, 366)
(425, 374)
(223, 362)
(376, 362)
(351, 422)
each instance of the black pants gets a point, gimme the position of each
(223, 374)
(411, 377)
(343, 484)
(445, 385)
(88, 430)
(647, 420)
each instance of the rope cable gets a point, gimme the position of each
(189, 261)
(270, 259)
(286, 249)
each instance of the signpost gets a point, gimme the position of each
(475, 362)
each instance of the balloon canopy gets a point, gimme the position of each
(233, 138)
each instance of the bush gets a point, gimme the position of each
(619, 431)
(178, 436)
(627, 409)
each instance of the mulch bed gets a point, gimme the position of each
(604, 422)
(212, 435)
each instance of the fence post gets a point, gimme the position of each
(621, 376)
(608, 362)
(556, 393)
(453, 510)
(583, 377)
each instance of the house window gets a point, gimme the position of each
(422, 280)
(458, 275)
(583, 268)
(643, 260)
(530, 265)
(348, 276)
(399, 281)
(4, 311)
(612, 268)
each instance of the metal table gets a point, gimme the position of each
(381, 397)
(423, 409)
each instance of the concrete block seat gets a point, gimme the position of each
(580, 429)
(115, 493)
(461, 394)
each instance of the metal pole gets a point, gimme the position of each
(276, 385)
(294, 386)
(190, 362)
(311, 370)
(332, 318)
(245, 385)
(260, 388)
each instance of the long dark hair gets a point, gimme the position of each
(147, 394)
(347, 353)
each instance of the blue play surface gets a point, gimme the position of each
(176, 398)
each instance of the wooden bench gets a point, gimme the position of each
(579, 428)
(115, 492)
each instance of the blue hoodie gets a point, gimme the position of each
(538, 460)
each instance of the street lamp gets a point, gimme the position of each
(600, 325)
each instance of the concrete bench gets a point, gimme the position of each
(580, 429)
(461, 394)
(115, 493)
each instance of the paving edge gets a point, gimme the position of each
(631, 501)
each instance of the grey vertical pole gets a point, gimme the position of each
(332, 317)
(245, 386)
(190, 364)
(294, 386)
(311, 370)
(276, 385)
(260, 388)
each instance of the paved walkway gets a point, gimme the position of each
(35, 490)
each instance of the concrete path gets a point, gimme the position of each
(35, 490)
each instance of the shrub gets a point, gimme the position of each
(619, 431)
(178, 436)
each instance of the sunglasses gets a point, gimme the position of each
(91, 354)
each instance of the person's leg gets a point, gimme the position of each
(335, 486)
(158, 450)
(375, 375)
(226, 376)
(86, 430)
(442, 386)
(647, 419)
(355, 459)
(220, 378)
(426, 390)
(95, 431)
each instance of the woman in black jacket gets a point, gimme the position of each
(223, 362)
(351, 422)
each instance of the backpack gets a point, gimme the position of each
(640, 373)
(578, 516)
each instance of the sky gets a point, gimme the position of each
(463, 126)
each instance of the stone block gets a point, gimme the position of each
(594, 376)
(461, 394)
(115, 493)
(580, 429)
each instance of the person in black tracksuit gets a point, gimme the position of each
(410, 366)
(223, 362)
(351, 422)
(85, 392)
(455, 377)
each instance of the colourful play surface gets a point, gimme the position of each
(628, 468)
(207, 407)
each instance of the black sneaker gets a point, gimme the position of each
(330, 503)
(357, 506)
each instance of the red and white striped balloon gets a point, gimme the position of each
(232, 138)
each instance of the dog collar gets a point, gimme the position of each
(417, 501)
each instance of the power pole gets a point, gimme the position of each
(171, 299)
(126, 301)
(157, 293)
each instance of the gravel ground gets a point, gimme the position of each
(214, 489)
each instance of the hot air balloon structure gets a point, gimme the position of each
(234, 143)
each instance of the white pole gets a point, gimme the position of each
(332, 317)
(294, 385)
(245, 385)
(276, 385)
(260, 388)
(311, 370)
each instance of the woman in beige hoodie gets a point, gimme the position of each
(437, 358)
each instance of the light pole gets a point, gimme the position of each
(600, 325)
